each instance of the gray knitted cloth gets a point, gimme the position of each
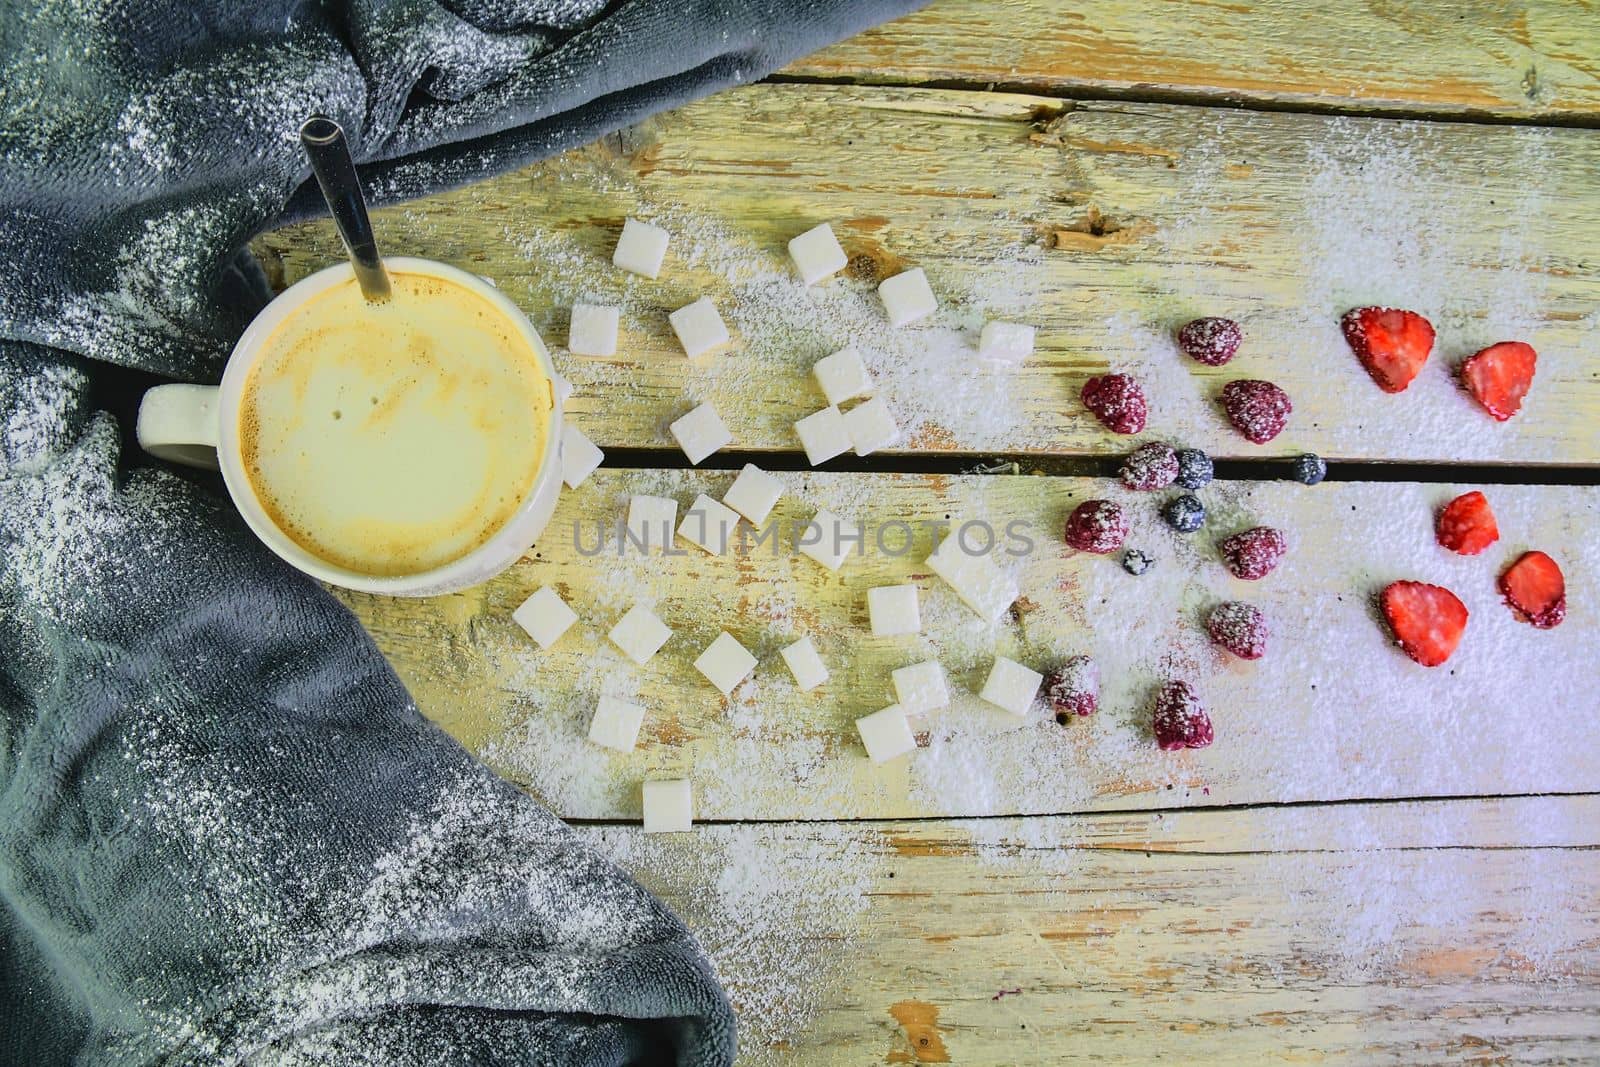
(225, 832)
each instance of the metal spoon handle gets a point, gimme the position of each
(331, 162)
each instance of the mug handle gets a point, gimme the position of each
(179, 423)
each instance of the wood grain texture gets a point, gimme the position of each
(1332, 712)
(1106, 225)
(1538, 60)
(1464, 931)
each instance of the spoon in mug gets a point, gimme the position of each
(331, 162)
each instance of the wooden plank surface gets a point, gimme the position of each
(1536, 60)
(1106, 225)
(1466, 931)
(1332, 712)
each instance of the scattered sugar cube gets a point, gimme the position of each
(1011, 686)
(708, 525)
(668, 807)
(700, 433)
(640, 634)
(823, 434)
(725, 663)
(842, 376)
(816, 254)
(907, 297)
(1006, 342)
(834, 538)
(871, 426)
(579, 456)
(893, 610)
(920, 687)
(545, 616)
(593, 331)
(699, 327)
(805, 664)
(753, 494)
(641, 248)
(651, 520)
(616, 724)
(886, 733)
(977, 580)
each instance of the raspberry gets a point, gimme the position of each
(1097, 526)
(1179, 719)
(1149, 467)
(1211, 341)
(1195, 470)
(1309, 469)
(1117, 401)
(1136, 562)
(1253, 554)
(1073, 688)
(1184, 513)
(1258, 410)
(1240, 628)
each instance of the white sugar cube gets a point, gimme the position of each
(593, 331)
(708, 525)
(640, 634)
(842, 376)
(651, 520)
(616, 724)
(886, 733)
(907, 297)
(545, 616)
(893, 610)
(699, 327)
(725, 663)
(641, 248)
(700, 433)
(977, 580)
(828, 539)
(668, 807)
(579, 456)
(871, 426)
(816, 254)
(1011, 686)
(823, 434)
(1006, 342)
(753, 494)
(920, 687)
(805, 664)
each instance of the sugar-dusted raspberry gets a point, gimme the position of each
(1254, 553)
(1097, 526)
(1117, 401)
(1179, 719)
(1149, 467)
(1258, 410)
(1240, 628)
(1073, 688)
(1211, 341)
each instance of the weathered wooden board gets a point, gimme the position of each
(1538, 60)
(1106, 225)
(1333, 711)
(1392, 933)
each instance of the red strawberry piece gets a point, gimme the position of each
(1073, 688)
(1466, 525)
(1117, 401)
(1211, 341)
(1240, 628)
(1150, 467)
(1499, 377)
(1427, 620)
(1258, 410)
(1251, 555)
(1392, 344)
(1536, 589)
(1180, 720)
(1097, 526)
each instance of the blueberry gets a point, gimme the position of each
(1184, 513)
(1136, 562)
(1309, 469)
(1194, 468)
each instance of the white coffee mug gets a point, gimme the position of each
(198, 425)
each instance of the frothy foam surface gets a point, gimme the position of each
(392, 439)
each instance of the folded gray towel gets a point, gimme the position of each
(225, 832)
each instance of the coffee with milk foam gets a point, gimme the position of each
(392, 439)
